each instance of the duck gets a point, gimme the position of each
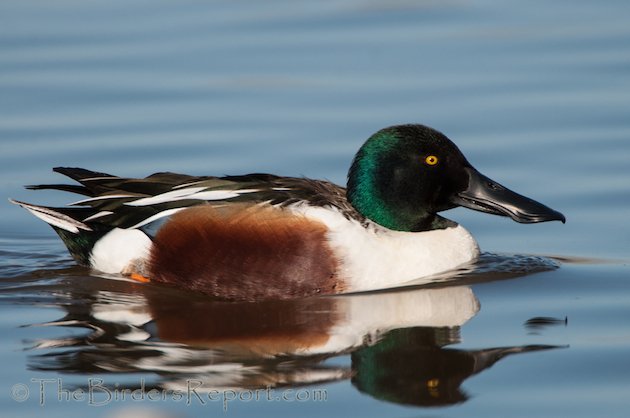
(261, 236)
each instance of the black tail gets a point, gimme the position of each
(78, 237)
(80, 245)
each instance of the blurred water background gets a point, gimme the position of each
(536, 94)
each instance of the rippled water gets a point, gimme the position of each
(535, 94)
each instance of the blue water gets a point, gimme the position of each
(536, 94)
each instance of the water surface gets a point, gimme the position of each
(536, 96)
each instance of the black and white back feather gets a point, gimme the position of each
(117, 202)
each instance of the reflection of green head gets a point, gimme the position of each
(409, 367)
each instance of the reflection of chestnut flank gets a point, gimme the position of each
(267, 328)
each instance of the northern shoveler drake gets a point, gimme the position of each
(259, 236)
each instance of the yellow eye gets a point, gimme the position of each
(431, 160)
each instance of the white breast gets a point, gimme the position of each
(377, 258)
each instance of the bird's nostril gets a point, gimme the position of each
(494, 186)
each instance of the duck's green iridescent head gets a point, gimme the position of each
(404, 175)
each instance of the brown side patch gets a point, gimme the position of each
(245, 253)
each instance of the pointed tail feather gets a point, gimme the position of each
(54, 217)
(63, 187)
(80, 174)
(77, 236)
(93, 183)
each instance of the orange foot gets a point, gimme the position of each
(139, 278)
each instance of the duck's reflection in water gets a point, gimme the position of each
(410, 366)
(396, 341)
